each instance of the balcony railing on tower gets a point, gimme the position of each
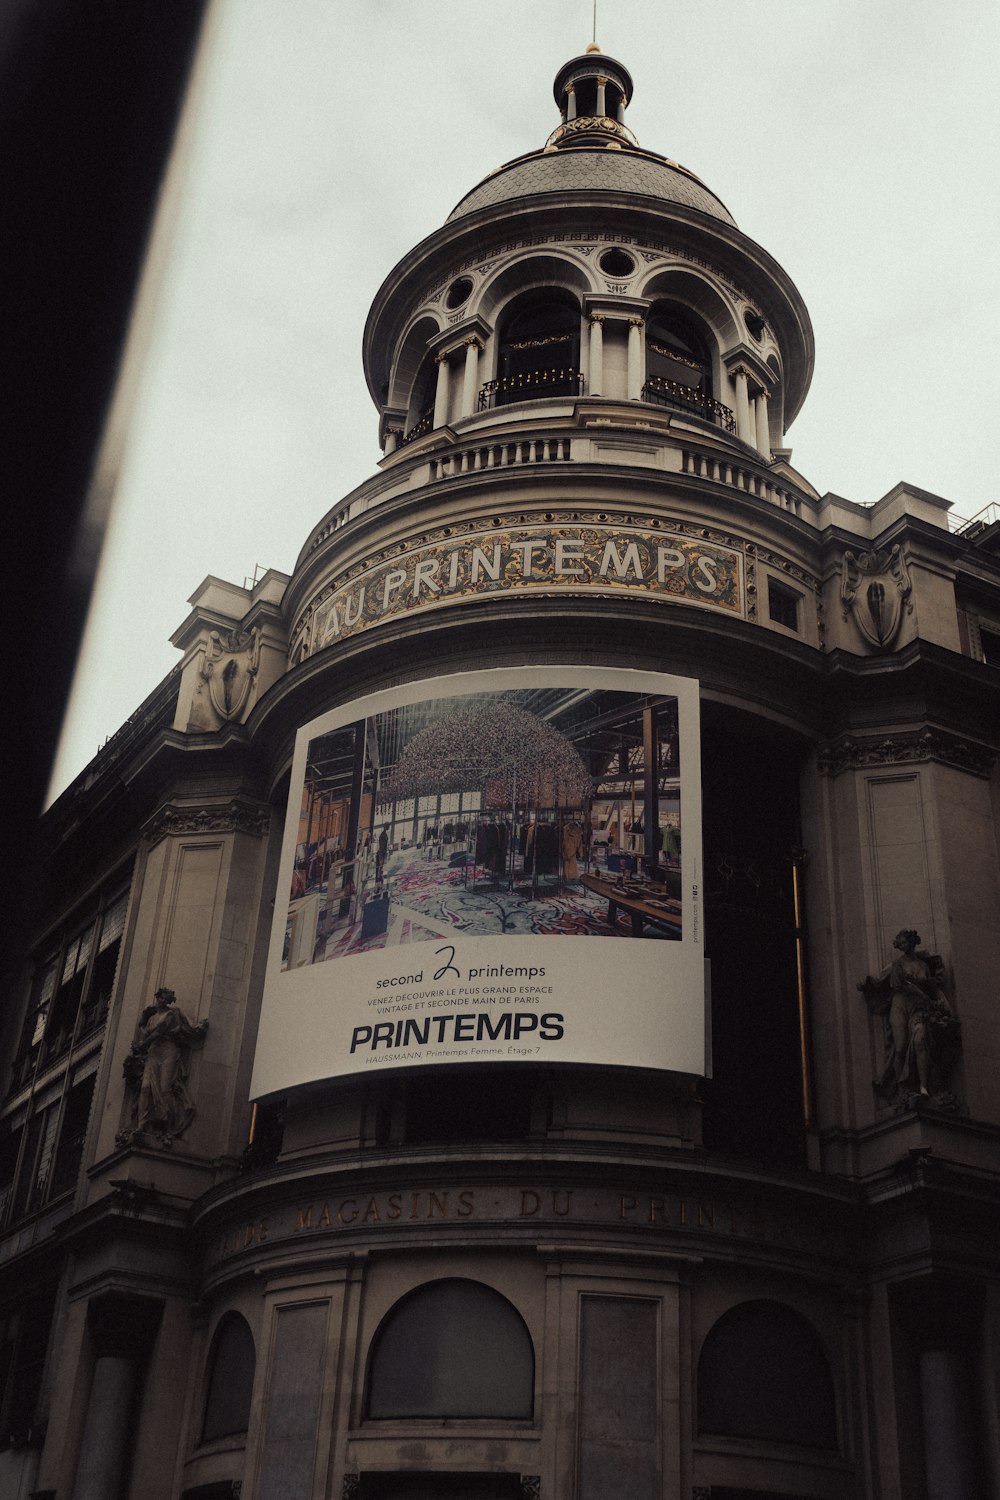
(530, 385)
(423, 424)
(662, 392)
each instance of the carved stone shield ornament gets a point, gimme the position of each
(875, 586)
(229, 668)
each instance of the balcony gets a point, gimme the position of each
(530, 385)
(673, 393)
(424, 423)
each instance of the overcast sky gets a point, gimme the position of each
(857, 140)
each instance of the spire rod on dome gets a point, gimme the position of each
(593, 39)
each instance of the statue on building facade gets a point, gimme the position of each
(921, 1031)
(160, 1108)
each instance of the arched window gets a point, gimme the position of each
(763, 1374)
(679, 362)
(420, 417)
(452, 1349)
(231, 1364)
(539, 349)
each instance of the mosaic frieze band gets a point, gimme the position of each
(617, 554)
(524, 559)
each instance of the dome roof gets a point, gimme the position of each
(603, 171)
(592, 150)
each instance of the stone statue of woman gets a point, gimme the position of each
(158, 1063)
(921, 1032)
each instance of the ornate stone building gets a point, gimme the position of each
(527, 1278)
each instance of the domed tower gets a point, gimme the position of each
(579, 880)
(674, 308)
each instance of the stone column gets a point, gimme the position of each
(441, 393)
(949, 1457)
(763, 429)
(122, 1329)
(596, 354)
(743, 426)
(602, 106)
(471, 381)
(392, 437)
(635, 327)
(570, 101)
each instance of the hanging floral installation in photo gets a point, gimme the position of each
(497, 746)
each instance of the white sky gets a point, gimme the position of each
(857, 140)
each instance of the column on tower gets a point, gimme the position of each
(470, 380)
(596, 354)
(763, 429)
(441, 392)
(744, 428)
(635, 330)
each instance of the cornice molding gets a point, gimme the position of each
(235, 816)
(911, 747)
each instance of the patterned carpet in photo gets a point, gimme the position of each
(431, 899)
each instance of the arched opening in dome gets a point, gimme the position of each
(420, 414)
(539, 349)
(452, 1348)
(679, 363)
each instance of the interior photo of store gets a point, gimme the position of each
(517, 811)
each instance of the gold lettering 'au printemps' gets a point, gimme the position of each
(417, 1208)
(571, 559)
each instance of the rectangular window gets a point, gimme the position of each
(24, 1340)
(990, 642)
(71, 991)
(53, 1151)
(72, 1136)
(10, 1143)
(783, 605)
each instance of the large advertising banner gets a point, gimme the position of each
(491, 867)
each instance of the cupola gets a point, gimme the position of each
(592, 93)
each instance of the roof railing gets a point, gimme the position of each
(662, 392)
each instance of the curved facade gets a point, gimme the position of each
(587, 1258)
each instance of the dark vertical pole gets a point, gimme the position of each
(650, 789)
(353, 819)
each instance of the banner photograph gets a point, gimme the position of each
(453, 850)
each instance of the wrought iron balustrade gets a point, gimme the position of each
(423, 424)
(530, 385)
(662, 392)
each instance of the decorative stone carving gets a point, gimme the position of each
(851, 754)
(920, 1029)
(531, 1487)
(159, 1107)
(875, 587)
(236, 816)
(229, 668)
(351, 1488)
